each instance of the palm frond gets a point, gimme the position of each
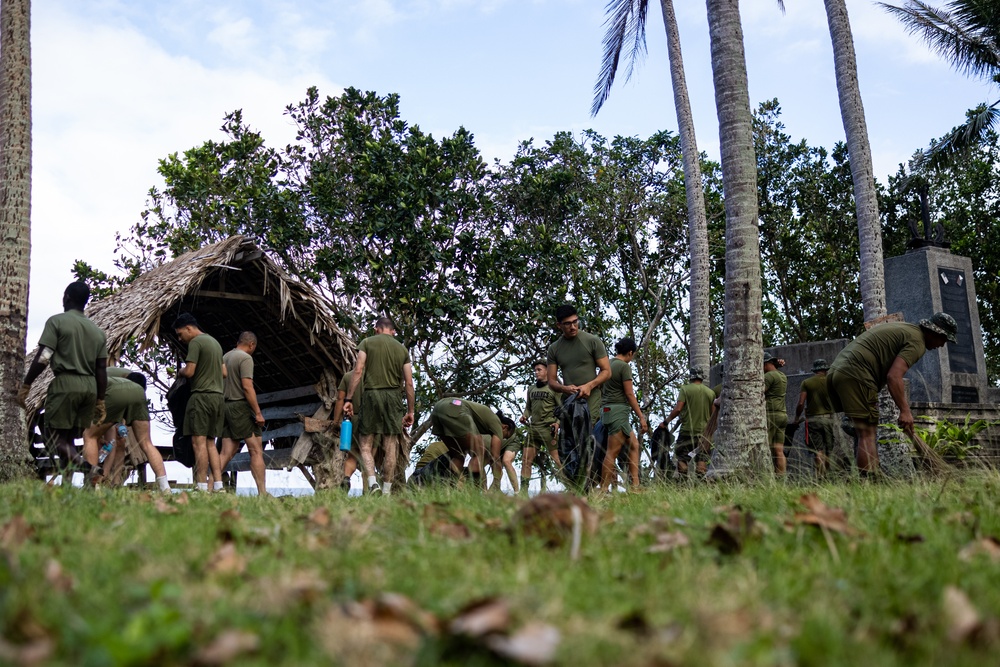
(626, 21)
(965, 33)
(980, 122)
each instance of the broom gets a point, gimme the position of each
(930, 459)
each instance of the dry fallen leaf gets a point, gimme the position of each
(15, 532)
(36, 652)
(163, 507)
(819, 514)
(668, 542)
(320, 517)
(531, 645)
(481, 618)
(227, 647)
(227, 561)
(451, 530)
(987, 546)
(181, 498)
(550, 516)
(961, 618)
(730, 537)
(58, 578)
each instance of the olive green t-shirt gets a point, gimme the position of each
(384, 360)
(817, 396)
(206, 353)
(359, 393)
(775, 386)
(76, 343)
(541, 407)
(485, 420)
(697, 408)
(239, 365)
(576, 358)
(870, 355)
(614, 389)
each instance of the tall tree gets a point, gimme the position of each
(742, 433)
(859, 150)
(967, 34)
(15, 225)
(627, 22)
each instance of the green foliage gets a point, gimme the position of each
(954, 441)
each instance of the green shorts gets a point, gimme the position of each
(858, 399)
(541, 437)
(819, 433)
(615, 418)
(383, 413)
(776, 423)
(205, 415)
(69, 402)
(687, 443)
(126, 402)
(240, 423)
(514, 444)
(451, 418)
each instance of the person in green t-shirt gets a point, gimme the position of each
(353, 457)
(464, 425)
(694, 407)
(814, 400)
(78, 352)
(244, 420)
(543, 427)
(619, 403)
(581, 358)
(205, 415)
(880, 357)
(775, 388)
(384, 370)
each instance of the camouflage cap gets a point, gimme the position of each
(821, 365)
(943, 324)
(769, 358)
(697, 373)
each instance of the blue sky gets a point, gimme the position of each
(119, 85)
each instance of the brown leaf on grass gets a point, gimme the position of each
(35, 652)
(105, 517)
(290, 588)
(531, 645)
(227, 561)
(319, 518)
(987, 546)
(655, 525)
(229, 521)
(820, 515)
(163, 507)
(230, 515)
(181, 498)
(145, 497)
(668, 542)
(552, 517)
(58, 578)
(15, 532)
(395, 605)
(228, 646)
(730, 537)
(960, 617)
(481, 617)
(351, 635)
(449, 529)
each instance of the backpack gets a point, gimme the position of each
(576, 441)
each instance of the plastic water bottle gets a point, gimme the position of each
(105, 450)
(346, 431)
(122, 431)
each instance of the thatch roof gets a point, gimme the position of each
(230, 287)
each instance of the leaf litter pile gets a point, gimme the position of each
(280, 568)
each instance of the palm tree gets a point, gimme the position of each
(872, 275)
(15, 221)
(627, 22)
(967, 34)
(742, 432)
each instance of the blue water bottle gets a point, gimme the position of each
(122, 431)
(346, 431)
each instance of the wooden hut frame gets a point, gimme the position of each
(230, 287)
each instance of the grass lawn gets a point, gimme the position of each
(714, 575)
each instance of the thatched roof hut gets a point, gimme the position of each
(230, 287)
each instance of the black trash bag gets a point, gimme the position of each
(177, 399)
(661, 444)
(576, 441)
(438, 470)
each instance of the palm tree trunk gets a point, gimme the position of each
(15, 226)
(698, 335)
(853, 112)
(740, 442)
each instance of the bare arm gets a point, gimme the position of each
(676, 411)
(897, 390)
(225, 371)
(187, 370)
(556, 385)
(251, 396)
(801, 406)
(356, 377)
(605, 365)
(37, 366)
(338, 407)
(630, 397)
(411, 399)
